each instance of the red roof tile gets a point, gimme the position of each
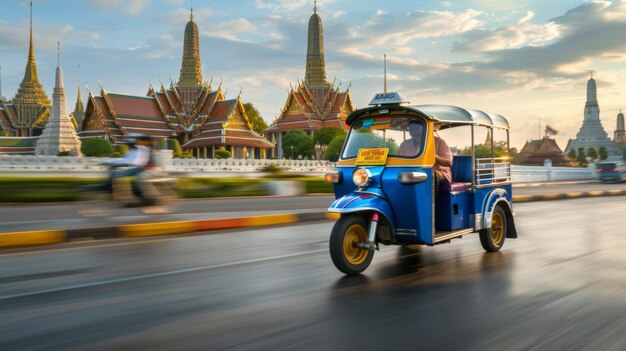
(222, 109)
(134, 105)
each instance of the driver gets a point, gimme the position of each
(443, 155)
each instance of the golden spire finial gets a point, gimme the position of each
(315, 6)
(191, 14)
(58, 53)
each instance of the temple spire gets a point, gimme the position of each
(315, 76)
(31, 102)
(30, 75)
(78, 98)
(191, 69)
(315, 6)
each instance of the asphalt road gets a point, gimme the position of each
(560, 286)
(12, 214)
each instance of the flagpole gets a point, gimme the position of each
(539, 126)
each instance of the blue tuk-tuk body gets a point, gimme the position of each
(393, 202)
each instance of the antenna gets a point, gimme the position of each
(385, 74)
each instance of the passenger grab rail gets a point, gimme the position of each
(491, 171)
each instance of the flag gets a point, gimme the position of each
(550, 130)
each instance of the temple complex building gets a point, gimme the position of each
(26, 114)
(314, 103)
(191, 111)
(592, 133)
(535, 152)
(59, 134)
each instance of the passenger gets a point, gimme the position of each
(443, 156)
(443, 162)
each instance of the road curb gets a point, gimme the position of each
(567, 196)
(47, 237)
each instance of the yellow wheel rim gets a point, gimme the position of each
(353, 254)
(497, 228)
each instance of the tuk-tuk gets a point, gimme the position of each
(385, 196)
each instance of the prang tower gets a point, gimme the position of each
(592, 134)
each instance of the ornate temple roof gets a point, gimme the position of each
(535, 152)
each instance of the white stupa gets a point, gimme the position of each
(59, 134)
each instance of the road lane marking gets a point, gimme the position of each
(158, 274)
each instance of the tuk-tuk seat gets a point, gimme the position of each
(454, 187)
(461, 175)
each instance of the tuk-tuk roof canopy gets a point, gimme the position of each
(449, 116)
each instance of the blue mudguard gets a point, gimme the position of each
(362, 202)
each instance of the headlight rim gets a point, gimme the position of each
(368, 179)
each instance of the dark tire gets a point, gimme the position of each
(493, 237)
(348, 258)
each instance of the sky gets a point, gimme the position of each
(527, 60)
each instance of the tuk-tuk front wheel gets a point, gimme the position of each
(493, 237)
(346, 255)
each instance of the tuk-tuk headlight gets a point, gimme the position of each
(333, 177)
(361, 177)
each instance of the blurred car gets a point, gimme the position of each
(611, 171)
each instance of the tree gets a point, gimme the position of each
(97, 147)
(121, 149)
(326, 135)
(582, 156)
(484, 150)
(174, 145)
(221, 154)
(258, 123)
(572, 154)
(297, 143)
(593, 153)
(334, 148)
(603, 153)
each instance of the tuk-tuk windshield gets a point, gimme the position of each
(404, 137)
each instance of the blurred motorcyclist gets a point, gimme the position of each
(132, 164)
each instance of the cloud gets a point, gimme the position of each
(129, 7)
(517, 35)
(288, 5)
(45, 35)
(587, 33)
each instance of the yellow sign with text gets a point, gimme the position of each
(372, 157)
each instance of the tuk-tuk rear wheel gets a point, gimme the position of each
(493, 237)
(346, 256)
